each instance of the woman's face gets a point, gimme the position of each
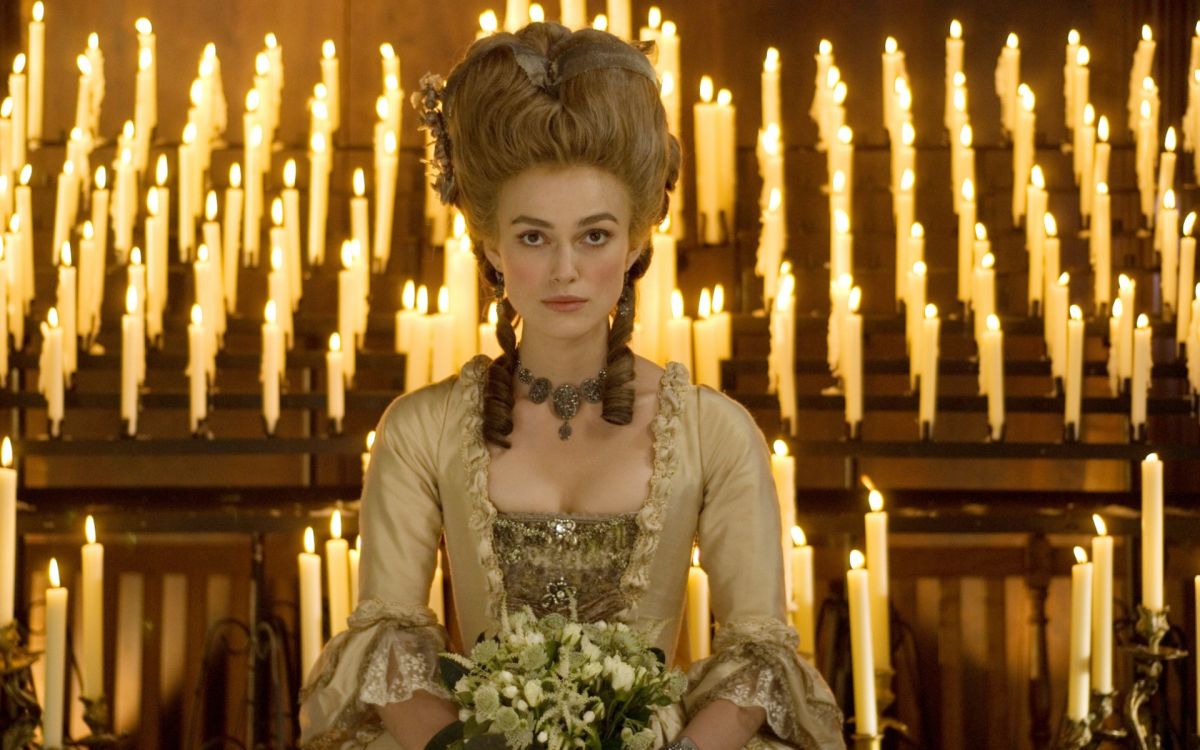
(562, 243)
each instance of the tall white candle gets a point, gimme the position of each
(231, 236)
(1034, 237)
(1126, 291)
(783, 472)
(416, 362)
(318, 197)
(1023, 151)
(1152, 533)
(8, 532)
(1074, 373)
(1102, 608)
(851, 366)
(442, 362)
(706, 345)
(1080, 645)
(1008, 76)
(355, 557)
(91, 661)
(271, 371)
(861, 649)
(197, 370)
(1187, 277)
(877, 577)
(1140, 385)
(66, 302)
(678, 342)
(966, 240)
(930, 348)
(1168, 225)
(803, 594)
(337, 566)
(37, 72)
(51, 378)
(132, 336)
(708, 175)
(699, 616)
(56, 660)
(310, 603)
(330, 76)
(914, 311)
(1100, 245)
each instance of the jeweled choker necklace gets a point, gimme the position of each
(565, 398)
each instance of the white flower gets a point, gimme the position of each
(522, 705)
(622, 676)
(589, 717)
(533, 692)
(543, 736)
(505, 676)
(510, 691)
(571, 633)
(464, 714)
(592, 669)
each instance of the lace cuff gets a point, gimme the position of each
(755, 663)
(388, 651)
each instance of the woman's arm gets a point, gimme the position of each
(415, 721)
(724, 725)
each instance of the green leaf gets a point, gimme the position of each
(452, 671)
(659, 654)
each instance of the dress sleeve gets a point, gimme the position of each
(755, 661)
(390, 647)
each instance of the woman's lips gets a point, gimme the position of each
(564, 304)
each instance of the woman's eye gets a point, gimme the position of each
(597, 236)
(531, 238)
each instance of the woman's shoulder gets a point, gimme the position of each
(430, 404)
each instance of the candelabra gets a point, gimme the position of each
(1137, 729)
(20, 714)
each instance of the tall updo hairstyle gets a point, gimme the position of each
(510, 105)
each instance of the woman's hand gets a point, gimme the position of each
(724, 725)
(414, 722)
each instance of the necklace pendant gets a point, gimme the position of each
(564, 431)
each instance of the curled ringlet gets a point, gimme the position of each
(547, 96)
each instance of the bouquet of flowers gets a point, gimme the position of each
(551, 684)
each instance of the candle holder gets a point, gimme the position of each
(1073, 735)
(926, 431)
(1149, 656)
(1101, 711)
(884, 698)
(96, 716)
(867, 741)
(1138, 433)
(1070, 433)
(20, 713)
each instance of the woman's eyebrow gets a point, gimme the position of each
(523, 219)
(593, 219)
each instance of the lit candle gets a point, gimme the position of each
(1074, 374)
(678, 342)
(1069, 63)
(197, 370)
(337, 567)
(460, 275)
(359, 228)
(722, 324)
(437, 591)
(37, 78)
(50, 371)
(966, 240)
(310, 603)
(1101, 154)
(1080, 648)
(318, 198)
(781, 371)
(1057, 310)
(708, 189)
(861, 650)
(90, 285)
(442, 360)
(405, 315)
(783, 472)
(1168, 225)
(1152, 533)
(231, 236)
(803, 593)
(91, 662)
(1187, 276)
(355, 556)
(1084, 141)
(207, 291)
(56, 660)
(145, 100)
(954, 64)
(707, 349)
(251, 221)
(991, 357)
(930, 347)
(1087, 157)
(841, 262)
(271, 371)
(132, 336)
(914, 310)
(770, 88)
(25, 225)
(335, 383)
(1126, 292)
(851, 367)
(698, 613)
(877, 577)
(983, 292)
(348, 281)
(1023, 150)
(1100, 245)
(330, 76)
(1144, 158)
(1143, 59)
(1142, 363)
(488, 344)
(1008, 76)
(366, 456)
(1035, 202)
(416, 361)
(277, 291)
(66, 206)
(893, 68)
(66, 298)
(1102, 606)
(8, 532)
(187, 157)
(385, 200)
(841, 157)
(962, 164)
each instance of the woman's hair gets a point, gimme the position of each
(549, 96)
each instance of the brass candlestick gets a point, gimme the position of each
(1101, 712)
(884, 698)
(1073, 735)
(20, 713)
(1149, 656)
(95, 715)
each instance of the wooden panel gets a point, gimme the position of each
(127, 696)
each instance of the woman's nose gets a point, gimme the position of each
(564, 270)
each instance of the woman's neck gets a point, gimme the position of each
(565, 360)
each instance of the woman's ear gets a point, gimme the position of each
(492, 256)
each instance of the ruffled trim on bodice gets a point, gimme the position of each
(650, 517)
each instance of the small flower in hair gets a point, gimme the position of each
(428, 101)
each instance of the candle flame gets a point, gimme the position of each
(1102, 129)
(335, 525)
(492, 316)
(993, 322)
(68, 167)
(1073, 37)
(839, 93)
(210, 206)
(197, 314)
(1037, 178)
(669, 28)
(988, 261)
(845, 135)
(318, 143)
(387, 51)
(269, 311)
(1124, 283)
(328, 49)
(724, 98)
(718, 299)
(1101, 528)
(152, 202)
(389, 143)
(262, 64)
(779, 447)
(1147, 34)
(931, 311)
(798, 537)
(1169, 199)
(143, 25)
(276, 258)
(55, 580)
(52, 317)
(408, 296)
(955, 29)
(839, 181)
(89, 530)
(841, 221)
(968, 190)
(19, 63)
(855, 299)
(706, 89)
(1080, 555)
(360, 182)
(84, 65)
(6, 452)
(1089, 114)
(600, 22)
(1012, 41)
(1064, 278)
(980, 231)
(423, 300)
(370, 439)
(381, 107)
(1102, 188)
(1050, 224)
(965, 136)
(65, 254)
(256, 136)
(1189, 223)
(1169, 141)
(917, 232)
(1083, 57)
(907, 180)
(825, 47)
(832, 76)
(704, 310)
(1150, 458)
(189, 133)
(890, 45)
(1028, 100)
(1076, 312)
(131, 299)
(202, 253)
(135, 256)
(857, 560)
(488, 22)
(908, 134)
(771, 61)
(1144, 109)
(695, 556)
(6, 107)
(875, 500)
(1143, 321)
(676, 304)
(773, 203)
(160, 170)
(1118, 308)
(537, 14)
(26, 173)
(310, 543)
(289, 174)
(443, 300)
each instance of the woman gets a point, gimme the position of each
(568, 472)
